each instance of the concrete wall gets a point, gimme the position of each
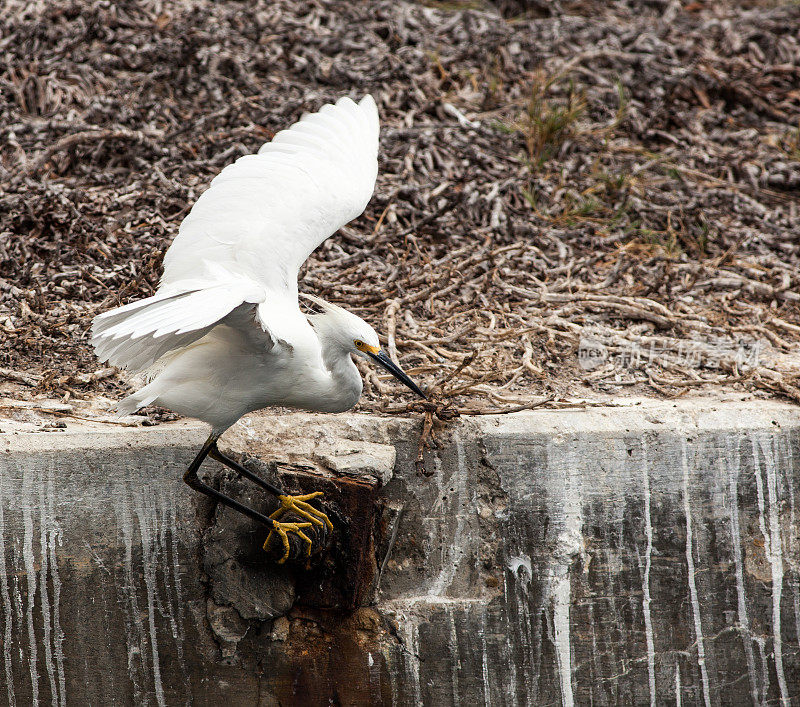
(643, 555)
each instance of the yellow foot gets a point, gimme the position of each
(282, 529)
(300, 506)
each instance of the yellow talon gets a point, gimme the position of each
(301, 507)
(282, 529)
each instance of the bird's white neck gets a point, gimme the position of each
(344, 384)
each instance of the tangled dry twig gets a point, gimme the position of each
(604, 198)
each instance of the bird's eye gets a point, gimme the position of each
(358, 343)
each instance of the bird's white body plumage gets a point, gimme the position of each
(224, 334)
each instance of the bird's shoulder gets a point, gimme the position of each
(282, 318)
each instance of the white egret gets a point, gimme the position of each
(224, 334)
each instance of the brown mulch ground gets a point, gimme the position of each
(572, 196)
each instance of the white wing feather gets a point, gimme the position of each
(263, 215)
(248, 234)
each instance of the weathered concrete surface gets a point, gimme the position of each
(642, 555)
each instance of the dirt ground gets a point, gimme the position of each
(576, 199)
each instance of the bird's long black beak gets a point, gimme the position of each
(382, 359)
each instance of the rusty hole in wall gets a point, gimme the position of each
(339, 577)
(343, 576)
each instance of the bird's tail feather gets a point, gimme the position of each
(139, 399)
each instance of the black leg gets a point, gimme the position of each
(214, 453)
(191, 478)
(298, 504)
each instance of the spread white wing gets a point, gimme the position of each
(248, 234)
(263, 215)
